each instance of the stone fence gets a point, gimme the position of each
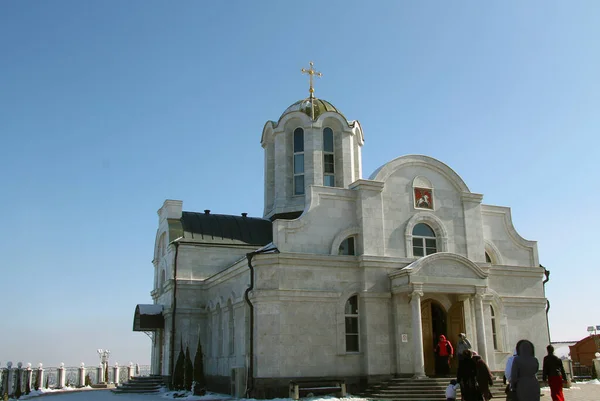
(15, 381)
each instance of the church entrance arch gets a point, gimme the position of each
(434, 321)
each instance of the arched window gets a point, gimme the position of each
(487, 258)
(328, 158)
(494, 333)
(347, 247)
(163, 277)
(351, 317)
(161, 246)
(231, 328)
(298, 161)
(424, 242)
(219, 331)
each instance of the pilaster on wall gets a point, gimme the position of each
(369, 214)
(376, 340)
(473, 226)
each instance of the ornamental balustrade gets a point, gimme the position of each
(22, 379)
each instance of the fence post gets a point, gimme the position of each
(130, 371)
(81, 377)
(116, 373)
(61, 375)
(40, 377)
(10, 376)
(29, 376)
(18, 380)
(100, 372)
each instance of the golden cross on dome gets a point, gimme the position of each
(311, 72)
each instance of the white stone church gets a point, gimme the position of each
(342, 277)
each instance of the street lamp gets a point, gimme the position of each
(104, 354)
(593, 330)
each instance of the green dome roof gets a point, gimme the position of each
(321, 106)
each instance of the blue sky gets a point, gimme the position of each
(108, 108)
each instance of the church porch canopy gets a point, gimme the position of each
(148, 317)
(441, 272)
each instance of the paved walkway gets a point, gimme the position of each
(577, 392)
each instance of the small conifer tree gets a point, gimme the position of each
(199, 380)
(188, 371)
(179, 371)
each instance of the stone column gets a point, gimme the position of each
(61, 375)
(81, 378)
(116, 373)
(40, 377)
(417, 334)
(480, 323)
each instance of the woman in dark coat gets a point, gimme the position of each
(467, 377)
(553, 372)
(484, 377)
(443, 351)
(523, 373)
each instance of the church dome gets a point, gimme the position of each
(321, 106)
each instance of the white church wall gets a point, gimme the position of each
(398, 209)
(196, 262)
(403, 326)
(498, 228)
(516, 282)
(526, 319)
(331, 210)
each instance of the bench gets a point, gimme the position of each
(322, 386)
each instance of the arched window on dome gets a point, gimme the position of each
(424, 241)
(351, 323)
(328, 158)
(488, 259)
(298, 161)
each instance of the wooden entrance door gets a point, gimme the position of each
(427, 328)
(456, 325)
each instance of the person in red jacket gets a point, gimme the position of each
(443, 353)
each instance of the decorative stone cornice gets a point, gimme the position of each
(471, 197)
(367, 185)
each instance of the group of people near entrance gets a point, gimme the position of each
(474, 377)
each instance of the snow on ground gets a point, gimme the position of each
(107, 395)
(89, 394)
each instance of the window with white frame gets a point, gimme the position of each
(328, 158)
(351, 323)
(494, 332)
(424, 241)
(298, 161)
(347, 247)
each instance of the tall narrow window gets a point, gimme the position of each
(298, 161)
(328, 158)
(351, 315)
(231, 328)
(494, 334)
(347, 247)
(219, 331)
(424, 242)
(487, 258)
(163, 277)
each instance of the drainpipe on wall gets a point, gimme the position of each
(547, 274)
(172, 345)
(250, 375)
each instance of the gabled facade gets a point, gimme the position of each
(343, 276)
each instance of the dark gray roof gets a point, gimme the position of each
(226, 229)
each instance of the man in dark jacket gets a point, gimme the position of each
(553, 372)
